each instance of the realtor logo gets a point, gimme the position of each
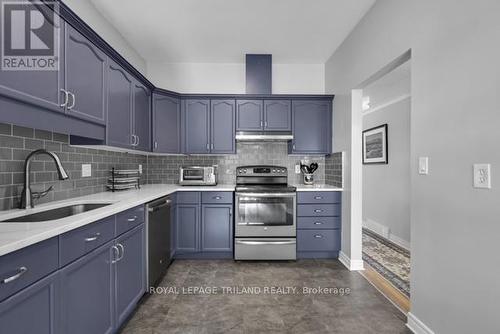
(30, 36)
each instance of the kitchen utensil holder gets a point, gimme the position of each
(308, 178)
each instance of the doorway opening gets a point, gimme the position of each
(385, 173)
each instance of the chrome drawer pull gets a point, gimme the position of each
(318, 210)
(318, 223)
(318, 197)
(21, 272)
(94, 238)
(123, 252)
(318, 236)
(217, 197)
(132, 219)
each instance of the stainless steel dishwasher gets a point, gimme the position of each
(159, 221)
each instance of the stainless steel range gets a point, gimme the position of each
(265, 222)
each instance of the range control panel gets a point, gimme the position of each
(261, 171)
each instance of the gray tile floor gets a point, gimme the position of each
(363, 310)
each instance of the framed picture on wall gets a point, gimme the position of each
(375, 147)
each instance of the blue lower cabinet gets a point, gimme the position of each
(187, 228)
(33, 310)
(217, 228)
(87, 287)
(130, 272)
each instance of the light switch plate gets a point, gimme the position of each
(297, 169)
(482, 176)
(423, 165)
(86, 170)
(140, 169)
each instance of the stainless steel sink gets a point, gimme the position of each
(58, 213)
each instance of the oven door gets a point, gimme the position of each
(265, 214)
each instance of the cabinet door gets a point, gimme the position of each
(41, 88)
(130, 269)
(85, 70)
(312, 124)
(249, 115)
(33, 310)
(187, 228)
(166, 124)
(222, 130)
(277, 115)
(87, 301)
(142, 116)
(119, 128)
(217, 228)
(196, 118)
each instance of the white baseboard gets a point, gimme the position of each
(417, 326)
(385, 232)
(350, 264)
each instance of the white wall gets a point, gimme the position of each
(223, 78)
(88, 13)
(455, 119)
(386, 188)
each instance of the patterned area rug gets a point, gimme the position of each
(388, 259)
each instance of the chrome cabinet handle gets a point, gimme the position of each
(156, 145)
(138, 140)
(94, 238)
(114, 248)
(217, 197)
(212, 146)
(261, 123)
(132, 219)
(318, 197)
(318, 210)
(66, 97)
(123, 252)
(73, 100)
(318, 236)
(208, 147)
(265, 124)
(20, 272)
(293, 146)
(318, 223)
(258, 243)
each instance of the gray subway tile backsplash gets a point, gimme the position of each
(17, 142)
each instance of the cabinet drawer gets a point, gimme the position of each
(312, 223)
(217, 197)
(27, 265)
(312, 197)
(129, 219)
(318, 210)
(188, 197)
(81, 241)
(318, 240)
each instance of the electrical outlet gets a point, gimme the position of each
(86, 170)
(482, 176)
(423, 165)
(297, 169)
(140, 169)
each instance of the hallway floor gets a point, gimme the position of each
(361, 310)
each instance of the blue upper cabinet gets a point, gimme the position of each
(166, 124)
(249, 115)
(39, 88)
(119, 127)
(222, 128)
(84, 77)
(142, 116)
(312, 127)
(277, 115)
(195, 124)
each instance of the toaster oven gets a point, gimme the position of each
(198, 175)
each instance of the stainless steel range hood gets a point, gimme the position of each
(263, 136)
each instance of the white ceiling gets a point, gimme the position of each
(223, 31)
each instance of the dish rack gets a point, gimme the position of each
(122, 179)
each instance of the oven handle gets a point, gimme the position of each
(254, 243)
(292, 194)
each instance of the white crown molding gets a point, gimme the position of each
(385, 105)
(417, 326)
(352, 265)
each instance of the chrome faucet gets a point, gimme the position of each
(27, 195)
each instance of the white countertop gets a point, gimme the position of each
(14, 236)
(317, 187)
